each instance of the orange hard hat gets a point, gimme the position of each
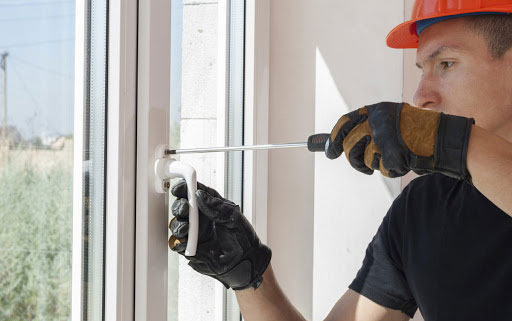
(405, 35)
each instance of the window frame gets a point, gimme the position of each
(76, 269)
(120, 160)
(138, 100)
(154, 32)
(120, 169)
(153, 111)
(256, 102)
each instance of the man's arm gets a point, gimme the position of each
(396, 138)
(489, 162)
(353, 306)
(269, 303)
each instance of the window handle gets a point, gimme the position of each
(167, 168)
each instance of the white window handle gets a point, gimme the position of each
(167, 168)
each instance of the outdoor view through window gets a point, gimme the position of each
(36, 158)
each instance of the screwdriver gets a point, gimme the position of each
(167, 168)
(315, 143)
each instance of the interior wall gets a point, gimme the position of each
(291, 119)
(354, 68)
(326, 58)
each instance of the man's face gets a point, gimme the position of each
(461, 77)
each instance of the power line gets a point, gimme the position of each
(29, 93)
(36, 3)
(30, 44)
(50, 71)
(4, 98)
(36, 18)
(25, 87)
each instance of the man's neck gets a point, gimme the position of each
(505, 131)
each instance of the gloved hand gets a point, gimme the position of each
(396, 137)
(228, 248)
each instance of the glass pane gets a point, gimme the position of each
(36, 159)
(94, 162)
(235, 123)
(195, 42)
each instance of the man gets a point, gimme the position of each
(445, 245)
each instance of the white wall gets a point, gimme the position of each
(291, 119)
(354, 68)
(326, 57)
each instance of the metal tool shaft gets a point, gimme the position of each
(233, 148)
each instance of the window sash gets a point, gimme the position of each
(152, 75)
(153, 107)
(121, 145)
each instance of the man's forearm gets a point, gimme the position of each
(267, 302)
(489, 162)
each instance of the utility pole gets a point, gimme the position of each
(4, 97)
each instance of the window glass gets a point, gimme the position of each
(194, 45)
(235, 123)
(203, 54)
(93, 189)
(36, 158)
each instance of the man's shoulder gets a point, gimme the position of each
(433, 180)
(430, 195)
(434, 185)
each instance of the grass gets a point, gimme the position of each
(35, 240)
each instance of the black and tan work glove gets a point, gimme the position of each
(228, 248)
(396, 137)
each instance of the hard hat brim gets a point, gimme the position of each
(404, 35)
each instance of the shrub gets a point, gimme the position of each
(35, 241)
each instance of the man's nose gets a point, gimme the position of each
(426, 96)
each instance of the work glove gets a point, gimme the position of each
(395, 138)
(228, 248)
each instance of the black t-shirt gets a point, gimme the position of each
(442, 247)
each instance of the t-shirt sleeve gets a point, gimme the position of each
(381, 278)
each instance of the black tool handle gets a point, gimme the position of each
(316, 142)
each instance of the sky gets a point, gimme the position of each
(39, 38)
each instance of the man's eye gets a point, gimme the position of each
(446, 64)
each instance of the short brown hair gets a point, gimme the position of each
(497, 30)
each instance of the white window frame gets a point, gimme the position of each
(120, 155)
(120, 173)
(76, 270)
(257, 66)
(153, 107)
(138, 91)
